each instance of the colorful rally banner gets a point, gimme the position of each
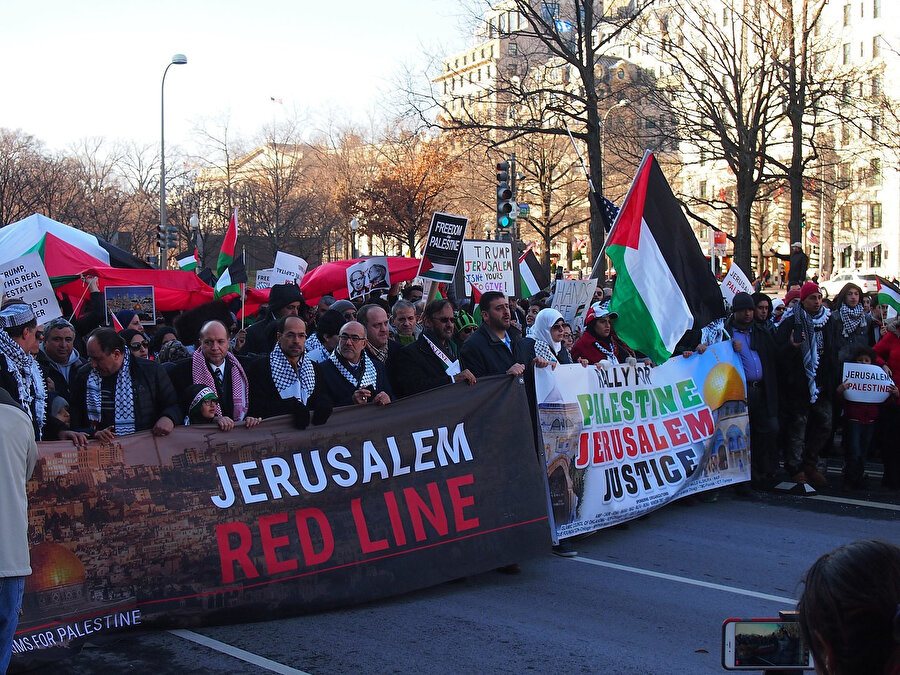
(204, 527)
(622, 441)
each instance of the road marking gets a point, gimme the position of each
(856, 502)
(687, 580)
(236, 652)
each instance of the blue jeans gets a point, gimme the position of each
(11, 592)
(857, 438)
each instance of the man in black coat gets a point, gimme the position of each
(496, 348)
(286, 382)
(808, 373)
(350, 376)
(432, 360)
(756, 348)
(284, 300)
(799, 262)
(57, 357)
(214, 366)
(115, 394)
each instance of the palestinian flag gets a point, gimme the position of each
(226, 255)
(189, 261)
(231, 279)
(664, 286)
(116, 324)
(437, 271)
(888, 294)
(531, 275)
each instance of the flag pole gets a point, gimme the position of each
(243, 288)
(80, 300)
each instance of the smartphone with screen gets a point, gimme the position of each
(758, 644)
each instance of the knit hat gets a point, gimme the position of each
(742, 301)
(15, 314)
(776, 303)
(196, 394)
(791, 296)
(463, 320)
(808, 289)
(58, 404)
(282, 295)
(342, 306)
(125, 317)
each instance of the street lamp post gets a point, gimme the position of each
(354, 226)
(177, 60)
(621, 104)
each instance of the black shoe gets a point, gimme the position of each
(564, 549)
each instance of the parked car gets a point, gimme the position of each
(833, 286)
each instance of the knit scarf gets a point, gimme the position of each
(812, 346)
(28, 377)
(124, 399)
(851, 319)
(368, 377)
(201, 374)
(289, 382)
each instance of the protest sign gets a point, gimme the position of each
(619, 442)
(488, 266)
(735, 282)
(442, 247)
(866, 383)
(26, 278)
(369, 274)
(288, 269)
(572, 298)
(264, 278)
(140, 299)
(210, 527)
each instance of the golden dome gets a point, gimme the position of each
(723, 383)
(53, 565)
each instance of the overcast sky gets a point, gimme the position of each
(73, 70)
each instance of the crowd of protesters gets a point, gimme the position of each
(79, 379)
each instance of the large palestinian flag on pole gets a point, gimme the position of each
(663, 286)
(226, 254)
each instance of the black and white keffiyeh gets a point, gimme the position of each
(29, 379)
(369, 375)
(124, 399)
(289, 382)
(851, 319)
(813, 345)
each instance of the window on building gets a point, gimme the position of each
(847, 217)
(875, 171)
(844, 175)
(847, 14)
(876, 46)
(862, 10)
(846, 53)
(703, 189)
(877, 85)
(845, 92)
(875, 216)
(876, 9)
(845, 133)
(512, 69)
(875, 256)
(876, 126)
(513, 49)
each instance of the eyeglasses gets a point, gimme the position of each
(350, 338)
(135, 346)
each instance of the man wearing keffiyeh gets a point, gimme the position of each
(114, 395)
(20, 374)
(807, 353)
(350, 376)
(285, 382)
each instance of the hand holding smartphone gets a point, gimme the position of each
(757, 644)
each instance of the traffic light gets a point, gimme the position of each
(802, 220)
(507, 209)
(168, 237)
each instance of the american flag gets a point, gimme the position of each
(610, 211)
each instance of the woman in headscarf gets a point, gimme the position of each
(848, 313)
(547, 334)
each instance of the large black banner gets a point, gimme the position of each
(207, 527)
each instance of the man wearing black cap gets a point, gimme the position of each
(756, 348)
(798, 260)
(284, 300)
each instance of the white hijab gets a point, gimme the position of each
(541, 329)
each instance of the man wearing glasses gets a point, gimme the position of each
(57, 357)
(350, 376)
(432, 360)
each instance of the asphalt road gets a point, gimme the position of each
(647, 599)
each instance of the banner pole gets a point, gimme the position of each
(80, 300)
(243, 288)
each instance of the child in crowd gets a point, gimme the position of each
(859, 421)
